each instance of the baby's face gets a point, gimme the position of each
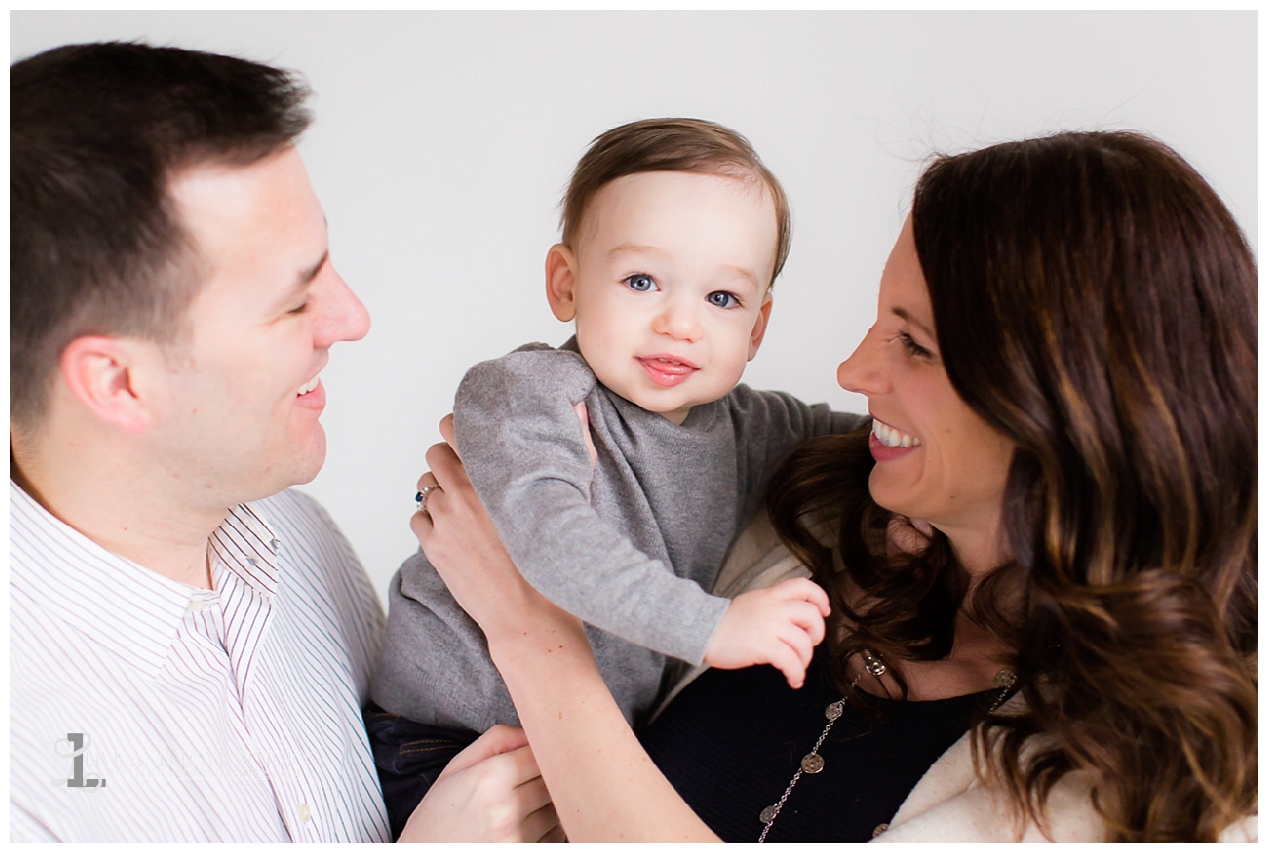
(671, 281)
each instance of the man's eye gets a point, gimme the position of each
(722, 299)
(640, 282)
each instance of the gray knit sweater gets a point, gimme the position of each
(630, 545)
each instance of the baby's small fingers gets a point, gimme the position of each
(799, 641)
(786, 660)
(804, 589)
(807, 617)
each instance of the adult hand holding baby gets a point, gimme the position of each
(455, 532)
(497, 774)
(497, 779)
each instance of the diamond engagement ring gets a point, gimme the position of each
(420, 497)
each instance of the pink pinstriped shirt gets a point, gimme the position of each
(142, 709)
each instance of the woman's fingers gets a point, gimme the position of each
(446, 431)
(584, 414)
(423, 526)
(446, 466)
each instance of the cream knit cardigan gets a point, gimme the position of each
(950, 802)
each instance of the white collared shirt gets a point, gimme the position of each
(229, 714)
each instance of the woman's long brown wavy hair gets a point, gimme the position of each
(1096, 303)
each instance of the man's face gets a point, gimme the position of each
(240, 401)
(671, 292)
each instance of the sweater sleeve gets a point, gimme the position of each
(768, 424)
(525, 452)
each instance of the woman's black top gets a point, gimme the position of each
(731, 741)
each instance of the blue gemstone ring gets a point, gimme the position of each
(420, 497)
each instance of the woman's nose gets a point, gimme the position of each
(864, 371)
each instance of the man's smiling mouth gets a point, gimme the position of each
(309, 386)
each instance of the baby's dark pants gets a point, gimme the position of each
(409, 757)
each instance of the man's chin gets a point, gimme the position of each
(307, 463)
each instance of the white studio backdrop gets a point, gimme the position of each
(443, 143)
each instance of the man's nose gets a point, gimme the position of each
(344, 317)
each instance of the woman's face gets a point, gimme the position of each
(936, 459)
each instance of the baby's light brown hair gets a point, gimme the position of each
(670, 145)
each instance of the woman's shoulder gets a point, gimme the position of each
(952, 802)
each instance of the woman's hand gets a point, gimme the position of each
(491, 791)
(460, 540)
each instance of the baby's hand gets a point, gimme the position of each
(779, 626)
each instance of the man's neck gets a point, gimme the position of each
(121, 515)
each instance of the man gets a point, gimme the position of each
(190, 643)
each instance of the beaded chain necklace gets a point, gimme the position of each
(812, 762)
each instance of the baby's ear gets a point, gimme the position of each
(561, 282)
(759, 327)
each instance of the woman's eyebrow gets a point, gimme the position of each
(906, 315)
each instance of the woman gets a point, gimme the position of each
(1062, 376)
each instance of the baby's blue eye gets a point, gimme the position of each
(722, 299)
(641, 283)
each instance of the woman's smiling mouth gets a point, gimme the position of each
(888, 443)
(892, 436)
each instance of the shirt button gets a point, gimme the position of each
(275, 544)
(195, 604)
(304, 812)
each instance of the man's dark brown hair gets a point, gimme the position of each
(670, 145)
(95, 131)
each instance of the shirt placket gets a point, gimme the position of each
(249, 611)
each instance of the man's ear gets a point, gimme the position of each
(759, 327)
(561, 282)
(100, 372)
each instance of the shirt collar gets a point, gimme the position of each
(248, 547)
(134, 612)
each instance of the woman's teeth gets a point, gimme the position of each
(890, 437)
(308, 386)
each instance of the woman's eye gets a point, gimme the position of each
(641, 283)
(914, 348)
(722, 299)
(299, 310)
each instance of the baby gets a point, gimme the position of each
(673, 233)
